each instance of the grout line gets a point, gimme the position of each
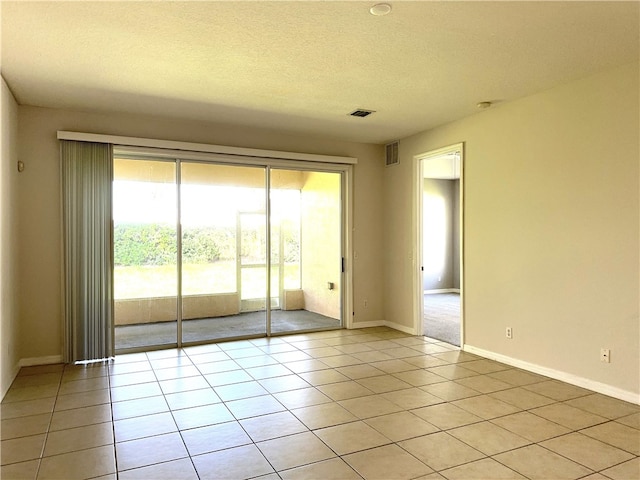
(310, 343)
(113, 423)
(46, 436)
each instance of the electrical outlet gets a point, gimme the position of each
(509, 333)
(366, 303)
(605, 355)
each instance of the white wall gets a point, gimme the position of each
(40, 270)
(9, 181)
(551, 229)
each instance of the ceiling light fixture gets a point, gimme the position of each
(483, 105)
(380, 9)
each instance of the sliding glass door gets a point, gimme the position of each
(145, 253)
(306, 250)
(223, 251)
(207, 251)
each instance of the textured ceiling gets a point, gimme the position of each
(303, 66)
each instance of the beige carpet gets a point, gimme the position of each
(442, 317)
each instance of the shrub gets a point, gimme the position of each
(155, 244)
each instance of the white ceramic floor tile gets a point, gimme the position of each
(294, 450)
(150, 450)
(239, 462)
(338, 404)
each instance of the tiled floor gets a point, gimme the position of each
(372, 404)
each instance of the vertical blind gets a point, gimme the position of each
(87, 173)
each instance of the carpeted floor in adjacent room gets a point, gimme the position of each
(442, 317)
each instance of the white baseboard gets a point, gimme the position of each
(384, 323)
(51, 359)
(14, 373)
(28, 362)
(374, 323)
(593, 385)
(441, 290)
(402, 328)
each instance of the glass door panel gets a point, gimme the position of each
(223, 251)
(145, 253)
(306, 250)
(253, 260)
(195, 250)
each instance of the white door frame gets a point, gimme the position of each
(418, 296)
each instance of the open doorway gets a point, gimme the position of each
(440, 244)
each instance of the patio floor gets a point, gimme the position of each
(220, 328)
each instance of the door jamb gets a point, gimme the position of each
(347, 246)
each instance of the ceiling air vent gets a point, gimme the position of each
(361, 113)
(391, 156)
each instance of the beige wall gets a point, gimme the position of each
(551, 227)
(320, 243)
(206, 174)
(39, 203)
(133, 311)
(551, 222)
(9, 184)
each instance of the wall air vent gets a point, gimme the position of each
(391, 154)
(361, 113)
